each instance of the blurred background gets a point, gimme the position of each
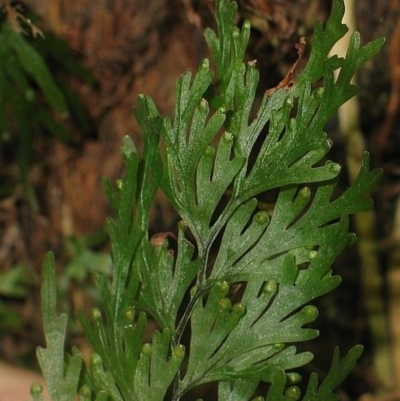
(53, 157)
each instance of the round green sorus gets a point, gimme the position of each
(293, 377)
(228, 137)
(305, 192)
(95, 360)
(239, 309)
(293, 393)
(246, 25)
(119, 184)
(235, 32)
(130, 313)
(259, 398)
(319, 93)
(278, 346)
(203, 104)
(335, 167)
(352, 238)
(209, 151)
(182, 225)
(312, 254)
(270, 286)
(221, 110)
(85, 391)
(205, 64)
(36, 389)
(311, 312)
(193, 291)
(225, 305)
(224, 287)
(289, 102)
(147, 349)
(96, 314)
(178, 351)
(262, 217)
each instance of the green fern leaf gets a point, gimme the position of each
(239, 390)
(62, 381)
(167, 277)
(157, 367)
